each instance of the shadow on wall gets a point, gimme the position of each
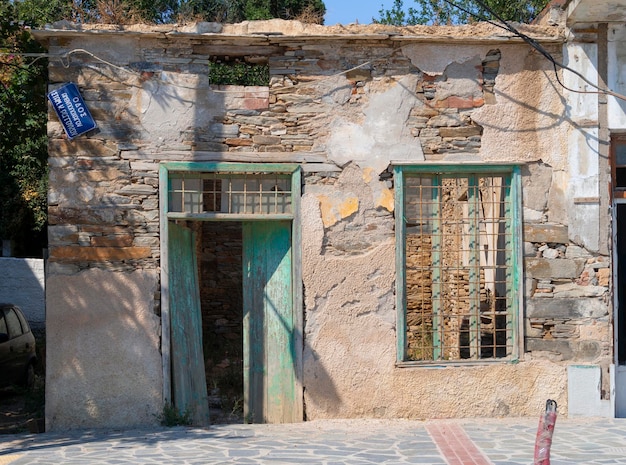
(104, 364)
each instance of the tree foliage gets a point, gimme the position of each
(23, 141)
(23, 106)
(37, 12)
(441, 12)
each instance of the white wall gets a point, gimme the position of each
(617, 76)
(22, 283)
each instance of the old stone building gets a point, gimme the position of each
(399, 222)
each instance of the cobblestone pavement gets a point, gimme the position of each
(337, 442)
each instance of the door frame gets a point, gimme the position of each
(617, 198)
(291, 169)
(618, 381)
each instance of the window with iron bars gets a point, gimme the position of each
(230, 193)
(458, 286)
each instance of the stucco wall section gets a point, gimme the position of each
(104, 366)
(617, 71)
(350, 356)
(529, 113)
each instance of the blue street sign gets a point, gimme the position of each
(71, 110)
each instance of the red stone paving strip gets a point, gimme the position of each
(455, 445)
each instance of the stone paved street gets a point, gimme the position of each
(354, 442)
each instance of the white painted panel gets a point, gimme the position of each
(582, 58)
(617, 75)
(620, 391)
(583, 392)
(583, 182)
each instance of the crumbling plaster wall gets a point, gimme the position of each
(350, 328)
(392, 102)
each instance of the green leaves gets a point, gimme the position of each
(440, 12)
(239, 74)
(23, 140)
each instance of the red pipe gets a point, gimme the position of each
(544, 434)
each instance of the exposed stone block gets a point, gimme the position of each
(574, 251)
(238, 142)
(446, 121)
(266, 140)
(564, 331)
(137, 189)
(112, 241)
(98, 254)
(465, 131)
(573, 290)
(559, 347)
(82, 147)
(559, 268)
(588, 350)
(566, 308)
(64, 233)
(604, 277)
(460, 102)
(550, 233)
(103, 229)
(59, 215)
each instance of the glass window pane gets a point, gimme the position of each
(13, 323)
(254, 194)
(620, 154)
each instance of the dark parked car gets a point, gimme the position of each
(17, 348)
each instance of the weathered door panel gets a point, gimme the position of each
(269, 347)
(188, 376)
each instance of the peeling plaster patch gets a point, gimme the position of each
(368, 175)
(386, 200)
(557, 200)
(156, 102)
(434, 60)
(337, 208)
(335, 90)
(527, 113)
(383, 135)
(382, 196)
(462, 80)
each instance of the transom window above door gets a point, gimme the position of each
(219, 190)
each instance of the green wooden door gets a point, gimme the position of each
(268, 324)
(189, 391)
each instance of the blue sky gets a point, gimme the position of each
(348, 11)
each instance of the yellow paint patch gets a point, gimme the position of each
(385, 200)
(6, 459)
(332, 212)
(367, 174)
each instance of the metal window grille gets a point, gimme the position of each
(236, 193)
(458, 258)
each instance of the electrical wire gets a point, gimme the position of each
(503, 24)
(65, 61)
(538, 47)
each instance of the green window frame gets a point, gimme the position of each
(219, 191)
(458, 255)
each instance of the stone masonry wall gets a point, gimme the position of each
(345, 106)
